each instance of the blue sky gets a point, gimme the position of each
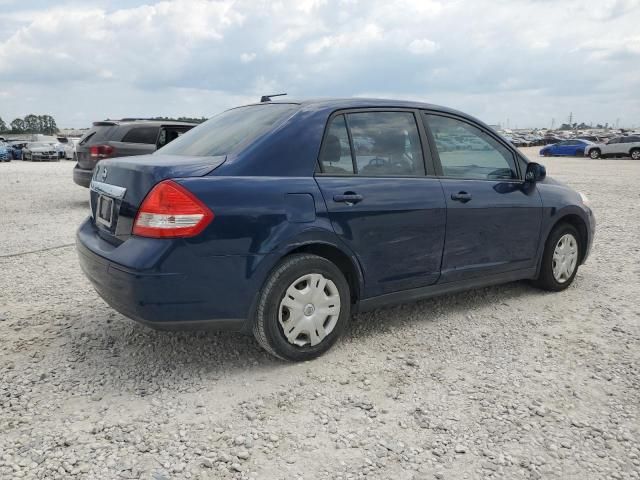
(525, 61)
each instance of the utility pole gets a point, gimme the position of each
(553, 123)
(570, 119)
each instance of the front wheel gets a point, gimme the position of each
(595, 153)
(303, 308)
(560, 259)
(635, 154)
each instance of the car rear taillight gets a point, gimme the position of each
(171, 211)
(101, 151)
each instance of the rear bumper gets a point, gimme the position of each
(162, 284)
(82, 177)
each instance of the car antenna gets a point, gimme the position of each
(267, 98)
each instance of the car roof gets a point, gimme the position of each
(356, 102)
(140, 121)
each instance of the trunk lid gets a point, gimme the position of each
(119, 186)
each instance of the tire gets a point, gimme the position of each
(547, 280)
(272, 314)
(635, 154)
(547, 154)
(594, 154)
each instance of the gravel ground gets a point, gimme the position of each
(503, 382)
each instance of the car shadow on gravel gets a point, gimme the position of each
(440, 308)
(123, 352)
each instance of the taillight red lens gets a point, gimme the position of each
(101, 151)
(171, 211)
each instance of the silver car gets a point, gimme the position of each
(40, 152)
(628, 146)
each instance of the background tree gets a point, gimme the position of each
(3, 126)
(48, 125)
(31, 123)
(17, 125)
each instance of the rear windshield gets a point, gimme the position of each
(97, 134)
(223, 133)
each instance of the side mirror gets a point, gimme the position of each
(535, 173)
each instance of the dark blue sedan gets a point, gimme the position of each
(566, 148)
(284, 218)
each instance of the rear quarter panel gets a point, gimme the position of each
(258, 215)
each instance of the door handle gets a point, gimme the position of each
(463, 197)
(349, 198)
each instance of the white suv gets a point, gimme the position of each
(628, 146)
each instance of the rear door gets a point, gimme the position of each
(380, 201)
(493, 218)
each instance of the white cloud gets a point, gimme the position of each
(276, 46)
(423, 46)
(194, 57)
(247, 57)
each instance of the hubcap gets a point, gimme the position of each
(309, 310)
(635, 155)
(594, 154)
(565, 258)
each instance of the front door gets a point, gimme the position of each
(493, 218)
(381, 204)
(611, 147)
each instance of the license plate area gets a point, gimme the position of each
(104, 211)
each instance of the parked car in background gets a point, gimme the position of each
(591, 138)
(67, 145)
(570, 148)
(122, 138)
(283, 218)
(15, 148)
(5, 154)
(628, 146)
(549, 139)
(40, 152)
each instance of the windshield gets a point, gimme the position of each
(223, 133)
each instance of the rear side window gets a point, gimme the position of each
(336, 152)
(384, 144)
(141, 135)
(227, 131)
(466, 151)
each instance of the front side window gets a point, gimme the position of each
(468, 152)
(386, 144)
(336, 154)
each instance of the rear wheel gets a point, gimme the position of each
(303, 308)
(560, 259)
(635, 153)
(595, 153)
